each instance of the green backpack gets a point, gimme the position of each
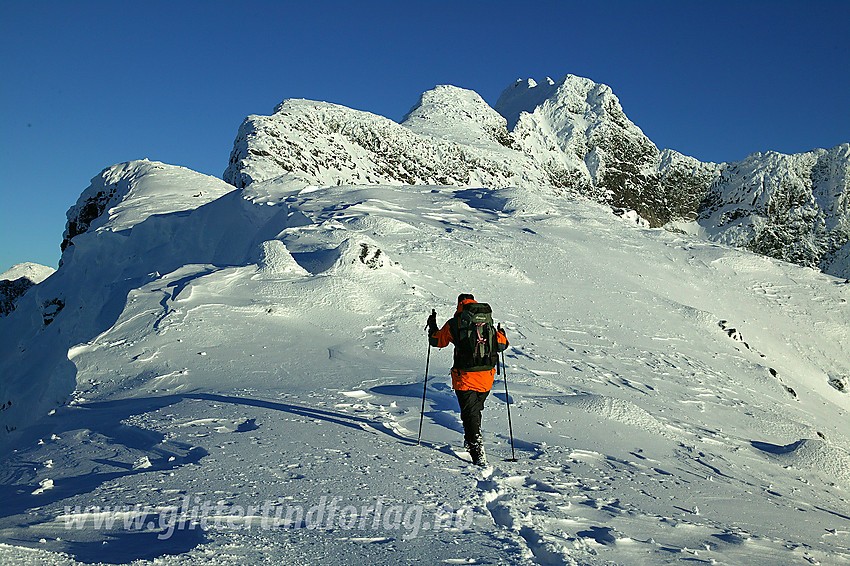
(474, 336)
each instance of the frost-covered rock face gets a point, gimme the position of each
(577, 131)
(10, 291)
(328, 144)
(567, 137)
(790, 207)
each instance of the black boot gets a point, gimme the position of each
(476, 451)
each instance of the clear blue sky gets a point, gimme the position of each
(88, 84)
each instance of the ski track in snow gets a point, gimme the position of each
(645, 431)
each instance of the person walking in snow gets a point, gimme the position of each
(477, 345)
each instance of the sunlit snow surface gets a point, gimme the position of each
(671, 398)
(32, 271)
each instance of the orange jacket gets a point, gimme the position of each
(468, 380)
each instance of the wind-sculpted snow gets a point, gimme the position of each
(221, 360)
(128, 193)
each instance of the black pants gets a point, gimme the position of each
(471, 404)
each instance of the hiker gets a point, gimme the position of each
(477, 344)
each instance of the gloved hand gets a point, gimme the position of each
(500, 347)
(432, 322)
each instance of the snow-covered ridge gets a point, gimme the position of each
(128, 193)
(790, 207)
(564, 137)
(577, 140)
(328, 144)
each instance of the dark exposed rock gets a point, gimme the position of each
(10, 291)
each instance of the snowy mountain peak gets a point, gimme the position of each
(573, 94)
(450, 100)
(456, 114)
(572, 101)
(523, 96)
(577, 131)
(33, 271)
(123, 195)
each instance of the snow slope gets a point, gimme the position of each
(91, 286)
(672, 399)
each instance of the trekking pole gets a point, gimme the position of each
(508, 402)
(425, 388)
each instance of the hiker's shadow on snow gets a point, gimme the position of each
(438, 395)
(127, 451)
(360, 423)
(134, 450)
(96, 424)
(501, 397)
(440, 402)
(336, 417)
(121, 546)
(442, 409)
